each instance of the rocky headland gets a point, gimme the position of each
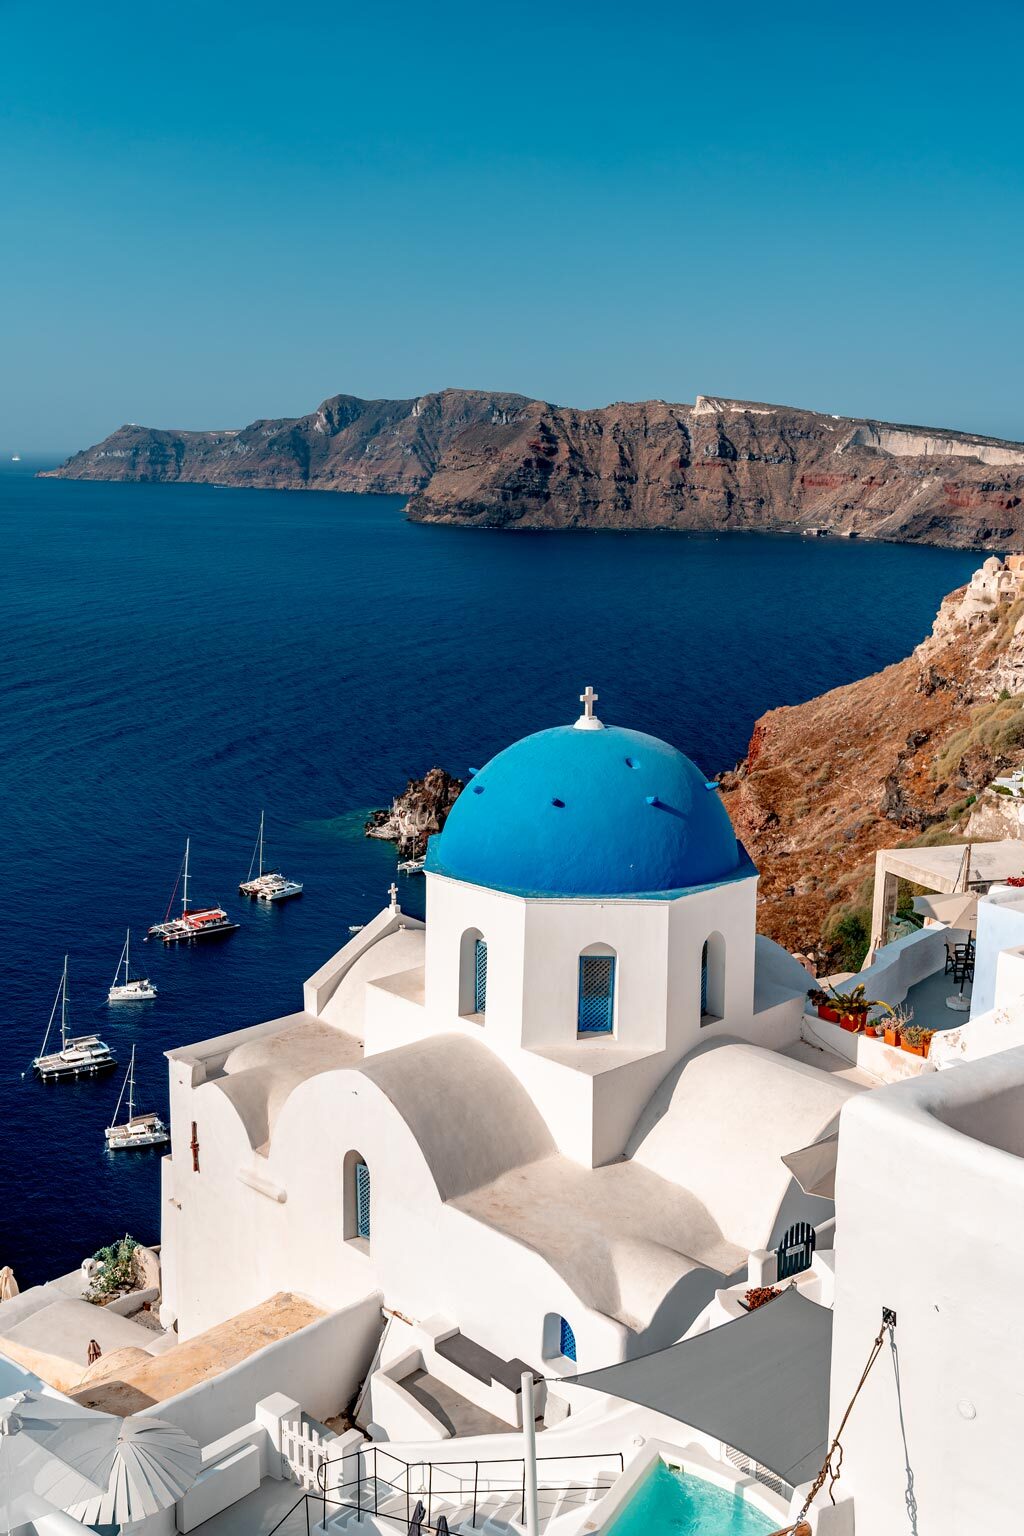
(490, 460)
(417, 813)
(904, 756)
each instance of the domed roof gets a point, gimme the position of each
(589, 810)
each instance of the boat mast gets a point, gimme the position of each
(184, 898)
(53, 1012)
(261, 842)
(64, 1007)
(131, 1085)
(127, 937)
(120, 1096)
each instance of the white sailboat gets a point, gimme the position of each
(268, 884)
(194, 922)
(127, 988)
(136, 1130)
(79, 1055)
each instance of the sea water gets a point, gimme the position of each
(173, 659)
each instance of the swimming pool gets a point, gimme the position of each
(671, 1503)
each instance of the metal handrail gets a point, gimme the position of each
(466, 1461)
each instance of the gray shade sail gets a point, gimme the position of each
(760, 1384)
(814, 1167)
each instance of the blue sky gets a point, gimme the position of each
(212, 212)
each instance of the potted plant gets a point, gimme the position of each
(896, 1021)
(849, 1009)
(916, 1039)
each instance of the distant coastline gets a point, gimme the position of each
(489, 460)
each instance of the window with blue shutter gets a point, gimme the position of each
(480, 976)
(567, 1340)
(362, 1200)
(596, 1007)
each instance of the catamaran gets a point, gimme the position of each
(194, 923)
(79, 1055)
(137, 1130)
(126, 987)
(269, 884)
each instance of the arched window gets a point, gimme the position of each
(595, 1005)
(473, 973)
(356, 1196)
(480, 975)
(559, 1342)
(712, 979)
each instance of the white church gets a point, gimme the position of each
(553, 1114)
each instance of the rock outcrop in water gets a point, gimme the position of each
(899, 757)
(490, 460)
(417, 813)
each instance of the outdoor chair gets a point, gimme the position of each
(950, 959)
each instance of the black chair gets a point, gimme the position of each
(950, 958)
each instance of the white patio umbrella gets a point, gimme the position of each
(47, 1449)
(151, 1465)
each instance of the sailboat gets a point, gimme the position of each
(194, 923)
(269, 884)
(79, 1055)
(130, 989)
(137, 1130)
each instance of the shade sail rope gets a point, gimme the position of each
(833, 1464)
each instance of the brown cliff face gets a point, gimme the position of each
(370, 446)
(893, 759)
(417, 813)
(503, 461)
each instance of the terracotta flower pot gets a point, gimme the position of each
(851, 1022)
(828, 1013)
(915, 1050)
(892, 1035)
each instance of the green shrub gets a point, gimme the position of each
(848, 934)
(117, 1268)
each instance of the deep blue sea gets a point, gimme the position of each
(175, 658)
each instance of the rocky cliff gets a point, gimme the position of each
(899, 757)
(505, 461)
(417, 813)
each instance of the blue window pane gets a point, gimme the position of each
(362, 1200)
(596, 1007)
(567, 1340)
(480, 976)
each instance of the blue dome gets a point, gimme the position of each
(605, 812)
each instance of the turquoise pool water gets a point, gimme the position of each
(682, 1504)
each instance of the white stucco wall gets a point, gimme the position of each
(909, 1156)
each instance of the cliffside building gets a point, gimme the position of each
(553, 1114)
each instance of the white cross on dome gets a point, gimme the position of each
(588, 721)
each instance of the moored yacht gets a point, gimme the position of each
(266, 884)
(127, 988)
(136, 1130)
(194, 922)
(79, 1055)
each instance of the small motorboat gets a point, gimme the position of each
(411, 866)
(127, 988)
